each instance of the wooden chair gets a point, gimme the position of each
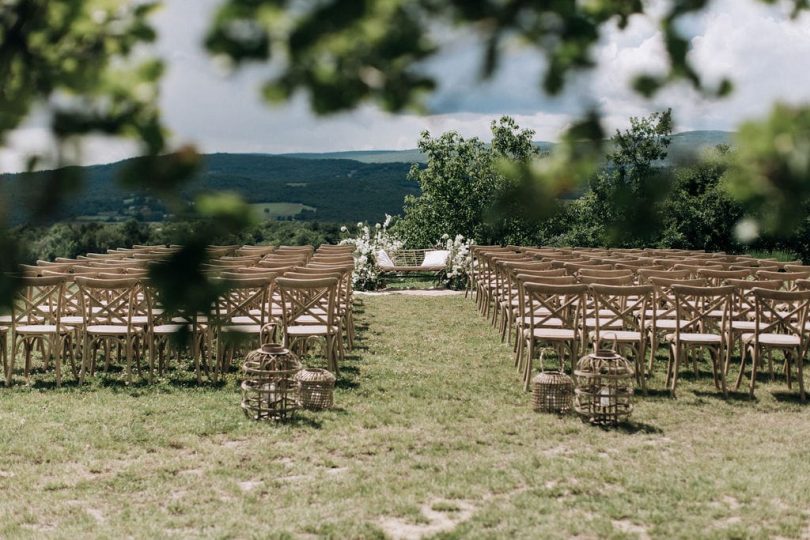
(622, 320)
(311, 300)
(35, 322)
(697, 329)
(662, 318)
(780, 325)
(107, 314)
(743, 309)
(554, 320)
(239, 315)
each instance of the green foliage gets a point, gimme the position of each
(461, 185)
(625, 197)
(345, 52)
(771, 169)
(699, 213)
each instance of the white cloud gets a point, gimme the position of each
(757, 45)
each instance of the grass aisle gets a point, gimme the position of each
(433, 436)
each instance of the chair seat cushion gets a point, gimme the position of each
(688, 337)
(665, 324)
(36, 329)
(202, 319)
(311, 330)
(164, 329)
(554, 334)
(241, 329)
(72, 320)
(552, 322)
(591, 323)
(622, 336)
(776, 340)
(242, 319)
(744, 325)
(110, 329)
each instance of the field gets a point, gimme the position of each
(432, 436)
(279, 209)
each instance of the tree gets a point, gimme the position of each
(622, 205)
(699, 213)
(461, 185)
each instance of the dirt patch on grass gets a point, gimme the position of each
(440, 516)
(628, 527)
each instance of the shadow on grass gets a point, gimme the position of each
(789, 397)
(632, 427)
(732, 395)
(652, 393)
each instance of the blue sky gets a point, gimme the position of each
(763, 51)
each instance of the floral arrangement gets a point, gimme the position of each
(459, 262)
(368, 242)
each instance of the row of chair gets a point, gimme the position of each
(561, 301)
(73, 309)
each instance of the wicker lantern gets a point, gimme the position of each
(269, 389)
(315, 388)
(552, 392)
(604, 388)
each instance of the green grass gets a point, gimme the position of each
(779, 255)
(279, 209)
(432, 435)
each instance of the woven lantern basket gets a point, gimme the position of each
(552, 392)
(604, 388)
(315, 388)
(269, 388)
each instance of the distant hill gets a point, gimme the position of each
(335, 190)
(683, 145)
(343, 187)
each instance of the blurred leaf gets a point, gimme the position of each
(770, 172)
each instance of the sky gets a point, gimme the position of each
(759, 47)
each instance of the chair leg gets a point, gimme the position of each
(677, 352)
(800, 374)
(527, 371)
(754, 361)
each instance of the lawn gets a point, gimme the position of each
(432, 435)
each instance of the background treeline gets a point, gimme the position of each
(640, 197)
(72, 239)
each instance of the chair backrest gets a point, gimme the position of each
(107, 301)
(590, 272)
(788, 279)
(644, 274)
(549, 280)
(572, 267)
(315, 298)
(797, 268)
(743, 305)
(781, 312)
(624, 305)
(246, 298)
(38, 301)
(720, 277)
(557, 272)
(622, 280)
(696, 309)
(547, 302)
